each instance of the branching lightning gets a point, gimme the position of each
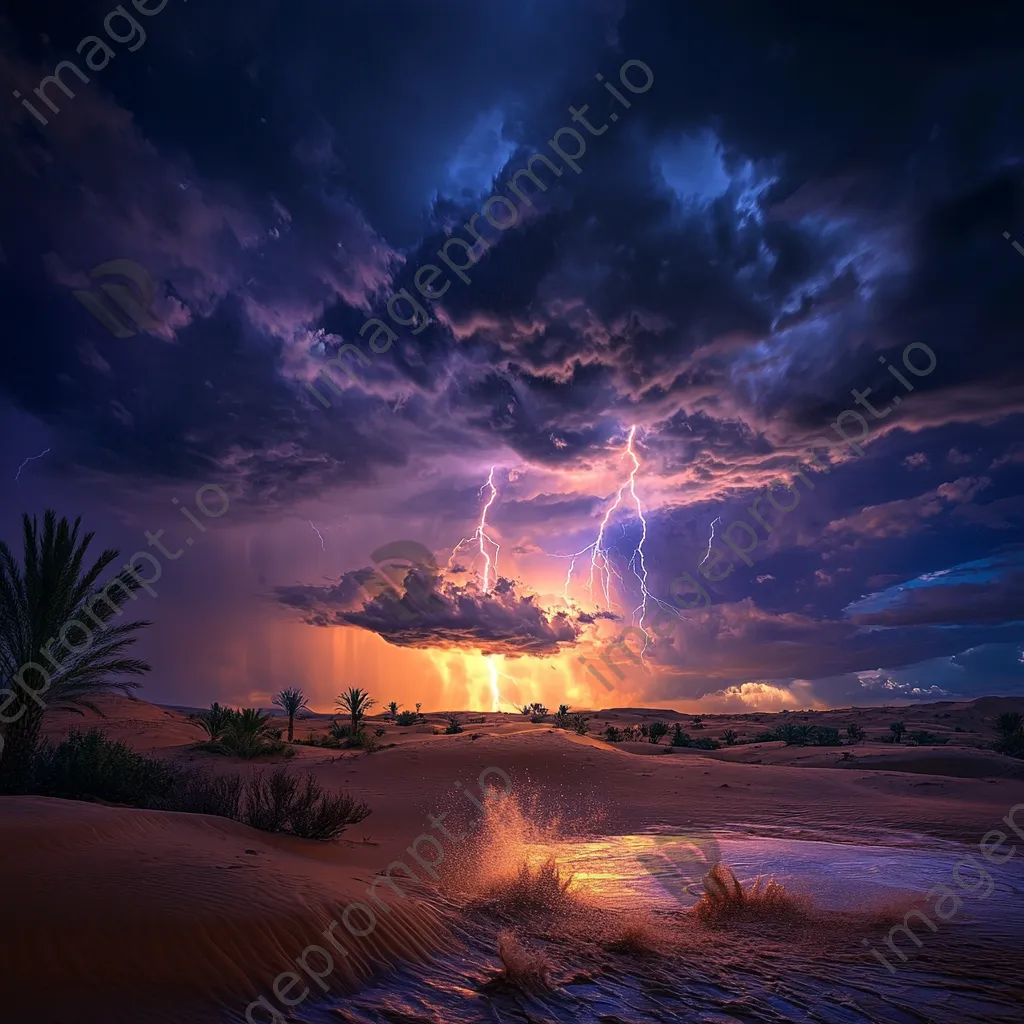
(602, 567)
(27, 461)
(319, 534)
(481, 537)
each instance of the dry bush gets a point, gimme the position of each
(725, 900)
(635, 939)
(531, 891)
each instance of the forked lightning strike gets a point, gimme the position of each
(480, 535)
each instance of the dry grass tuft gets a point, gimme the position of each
(531, 891)
(726, 901)
(635, 939)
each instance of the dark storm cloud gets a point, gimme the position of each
(432, 614)
(799, 193)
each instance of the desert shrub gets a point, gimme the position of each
(579, 724)
(825, 736)
(282, 802)
(453, 726)
(530, 891)
(794, 735)
(320, 815)
(705, 743)
(923, 738)
(268, 801)
(88, 766)
(680, 738)
(526, 710)
(201, 792)
(537, 719)
(1010, 726)
(730, 737)
(656, 730)
(959, 728)
(855, 733)
(725, 900)
(611, 734)
(407, 718)
(897, 729)
(563, 711)
(698, 722)
(379, 731)
(337, 730)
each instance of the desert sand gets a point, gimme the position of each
(131, 915)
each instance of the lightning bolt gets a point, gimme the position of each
(27, 461)
(711, 540)
(601, 566)
(481, 537)
(319, 534)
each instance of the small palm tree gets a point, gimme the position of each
(418, 706)
(897, 729)
(355, 703)
(563, 710)
(292, 700)
(214, 721)
(730, 737)
(247, 732)
(393, 709)
(50, 592)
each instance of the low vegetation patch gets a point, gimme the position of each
(243, 732)
(802, 736)
(88, 766)
(1010, 726)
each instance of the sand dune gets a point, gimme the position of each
(128, 915)
(141, 915)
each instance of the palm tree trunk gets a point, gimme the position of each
(291, 726)
(18, 754)
(355, 724)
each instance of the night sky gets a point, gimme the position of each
(772, 213)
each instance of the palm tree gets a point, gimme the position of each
(356, 703)
(292, 700)
(45, 606)
(214, 721)
(247, 732)
(563, 710)
(393, 709)
(730, 736)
